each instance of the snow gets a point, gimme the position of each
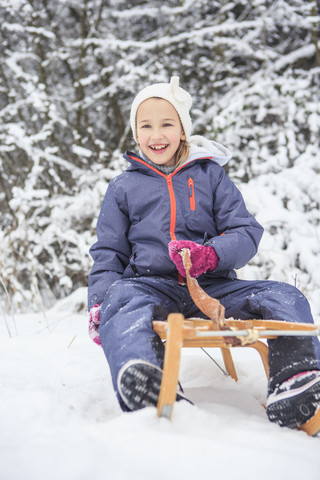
(251, 69)
(60, 420)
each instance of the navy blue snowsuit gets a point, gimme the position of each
(136, 281)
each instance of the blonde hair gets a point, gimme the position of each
(182, 153)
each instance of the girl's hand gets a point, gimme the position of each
(203, 258)
(94, 322)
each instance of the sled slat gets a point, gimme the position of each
(169, 383)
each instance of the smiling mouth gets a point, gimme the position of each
(157, 148)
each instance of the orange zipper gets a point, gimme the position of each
(173, 205)
(173, 208)
(173, 217)
(191, 194)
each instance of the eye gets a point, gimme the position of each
(145, 126)
(167, 124)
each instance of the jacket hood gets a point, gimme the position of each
(202, 147)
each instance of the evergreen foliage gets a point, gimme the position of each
(69, 70)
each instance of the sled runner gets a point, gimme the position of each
(217, 331)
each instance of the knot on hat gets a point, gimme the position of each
(178, 93)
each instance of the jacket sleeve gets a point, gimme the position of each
(111, 251)
(240, 233)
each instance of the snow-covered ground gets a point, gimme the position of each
(59, 418)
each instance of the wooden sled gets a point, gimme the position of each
(217, 331)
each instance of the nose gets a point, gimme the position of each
(156, 133)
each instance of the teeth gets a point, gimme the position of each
(158, 147)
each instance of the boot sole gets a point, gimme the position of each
(139, 385)
(293, 408)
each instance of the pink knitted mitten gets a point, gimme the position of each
(94, 322)
(203, 258)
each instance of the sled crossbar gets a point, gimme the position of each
(262, 333)
(218, 332)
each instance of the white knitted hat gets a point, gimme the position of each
(177, 96)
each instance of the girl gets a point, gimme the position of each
(176, 193)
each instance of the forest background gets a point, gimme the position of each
(69, 70)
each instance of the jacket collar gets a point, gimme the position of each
(201, 149)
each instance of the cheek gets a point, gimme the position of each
(175, 139)
(140, 138)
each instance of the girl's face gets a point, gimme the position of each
(159, 131)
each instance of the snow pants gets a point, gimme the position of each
(131, 304)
